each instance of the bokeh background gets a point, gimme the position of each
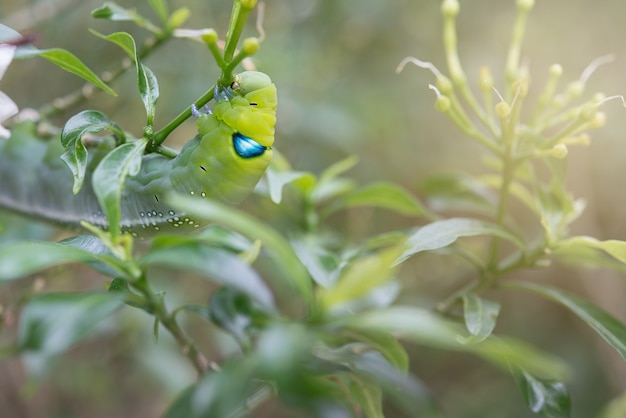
(333, 62)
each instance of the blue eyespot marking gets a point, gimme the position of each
(247, 147)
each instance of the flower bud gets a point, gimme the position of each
(599, 121)
(559, 151)
(250, 46)
(556, 70)
(525, 5)
(209, 37)
(450, 8)
(442, 104)
(503, 110)
(444, 84)
(576, 88)
(486, 79)
(589, 112)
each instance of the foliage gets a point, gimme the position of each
(317, 317)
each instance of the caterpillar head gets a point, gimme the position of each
(251, 111)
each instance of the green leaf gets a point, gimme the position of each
(385, 343)
(459, 193)
(361, 277)
(614, 248)
(424, 327)
(112, 11)
(148, 90)
(277, 180)
(546, 397)
(75, 155)
(109, 178)
(338, 168)
(52, 323)
(235, 312)
(160, 8)
(480, 316)
(609, 328)
(408, 393)
(330, 185)
(122, 39)
(388, 196)
(322, 265)
(220, 265)
(146, 80)
(294, 275)
(223, 393)
(440, 234)
(367, 395)
(23, 258)
(70, 63)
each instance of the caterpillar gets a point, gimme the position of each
(224, 161)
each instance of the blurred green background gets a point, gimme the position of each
(333, 62)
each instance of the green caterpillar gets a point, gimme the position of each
(224, 161)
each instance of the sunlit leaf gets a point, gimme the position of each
(609, 328)
(361, 277)
(277, 180)
(614, 248)
(440, 234)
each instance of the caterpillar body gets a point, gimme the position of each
(224, 161)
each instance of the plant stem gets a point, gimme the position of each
(156, 306)
(163, 133)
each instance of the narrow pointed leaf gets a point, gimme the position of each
(614, 248)
(23, 258)
(70, 63)
(609, 328)
(110, 176)
(424, 327)
(388, 196)
(440, 234)
(146, 80)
